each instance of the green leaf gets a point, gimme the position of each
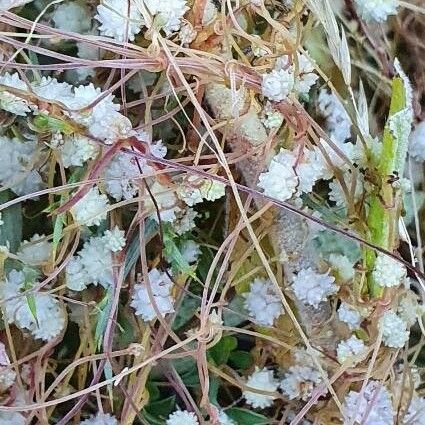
(151, 420)
(45, 123)
(246, 417)
(187, 310)
(162, 407)
(153, 390)
(11, 229)
(240, 359)
(133, 250)
(213, 390)
(235, 313)
(126, 332)
(220, 352)
(104, 309)
(32, 306)
(57, 230)
(174, 256)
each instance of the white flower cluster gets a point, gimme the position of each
(292, 172)
(182, 417)
(278, 84)
(190, 251)
(388, 272)
(7, 378)
(20, 157)
(36, 251)
(338, 122)
(376, 10)
(119, 19)
(123, 20)
(72, 16)
(91, 209)
(394, 330)
(350, 316)
(262, 302)
(168, 14)
(185, 220)
(350, 350)
(75, 150)
(102, 120)
(38, 312)
(166, 202)
(12, 418)
(313, 288)
(161, 286)
(416, 412)
(373, 407)
(263, 380)
(343, 266)
(416, 144)
(193, 190)
(100, 419)
(300, 379)
(270, 117)
(121, 173)
(11, 102)
(93, 263)
(337, 194)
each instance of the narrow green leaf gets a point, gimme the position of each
(246, 417)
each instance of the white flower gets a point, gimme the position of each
(185, 221)
(416, 413)
(102, 120)
(350, 316)
(292, 172)
(20, 157)
(263, 380)
(190, 251)
(166, 201)
(262, 302)
(12, 418)
(36, 251)
(351, 350)
(7, 378)
(119, 19)
(224, 419)
(210, 12)
(277, 84)
(376, 10)
(312, 288)
(337, 194)
(338, 122)
(91, 209)
(194, 190)
(300, 381)
(100, 419)
(343, 266)
(271, 118)
(372, 408)
(409, 309)
(50, 89)
(182, 417)
(76, 150)
(416, 144)
(120, 175)
(73, 17)
(10, 102)
(279, 182)
(49, 314)
(114, 239)
(161, 286)
(187, 34)
(388, 272)
(93, 263)
(394, 332)
(168, 14)
(305, 78)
